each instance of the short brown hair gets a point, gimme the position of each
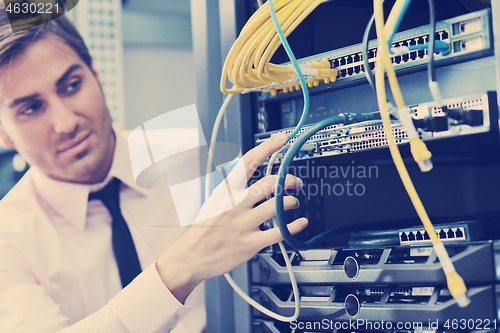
(33, 29)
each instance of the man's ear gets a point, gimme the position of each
(5, 142)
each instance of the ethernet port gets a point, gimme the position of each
(405, 58)
(442, 234)
(451, 234)
(342, 61)
(419, 236)
(426, 236)
(413, 55)
(459, 233)
(421, 54)
(342, 73)
(444, 35)
(396, 59)
(350, 71)
(357, 69)
(411, 236)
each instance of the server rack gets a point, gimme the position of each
(478, 75)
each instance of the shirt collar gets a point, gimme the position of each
(70, 200)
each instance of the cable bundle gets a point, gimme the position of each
(247, 64)
(455, 283)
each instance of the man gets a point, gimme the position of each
(58, 272)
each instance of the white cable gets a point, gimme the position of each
(215, 131)
(228, 277)
(436, 94)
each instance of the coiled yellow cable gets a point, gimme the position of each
(247, 63)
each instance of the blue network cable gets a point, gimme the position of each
(289, 52)
(341, 119)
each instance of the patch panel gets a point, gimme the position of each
(467, 36)
(351, 138)
(457, 117)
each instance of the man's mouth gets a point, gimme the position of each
(76, 145)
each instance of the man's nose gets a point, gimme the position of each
(64, 117)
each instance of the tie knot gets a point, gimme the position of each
(109, 194)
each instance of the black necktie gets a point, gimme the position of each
(123, 244)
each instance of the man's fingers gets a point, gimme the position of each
(267, 185)
(265, 211)
(272, 236)
(253, 158)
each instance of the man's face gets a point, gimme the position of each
(53, 112)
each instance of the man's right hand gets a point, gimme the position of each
(222, 243)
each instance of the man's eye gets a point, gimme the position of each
(72, 87)
(31, 109)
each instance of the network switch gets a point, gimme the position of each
(454, 232)
(468, 36)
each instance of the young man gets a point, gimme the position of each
(58, 271)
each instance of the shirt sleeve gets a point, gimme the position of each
(147, 298)
(144, 306)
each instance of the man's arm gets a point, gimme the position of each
(222, 243)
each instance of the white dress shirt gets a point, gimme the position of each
(57, 268)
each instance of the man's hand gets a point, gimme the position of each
(224, 242)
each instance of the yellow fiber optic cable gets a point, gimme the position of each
(247, 63)
(300, 12)
(248, 32)
(394, 15)
(272, 42)
(456, 284)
